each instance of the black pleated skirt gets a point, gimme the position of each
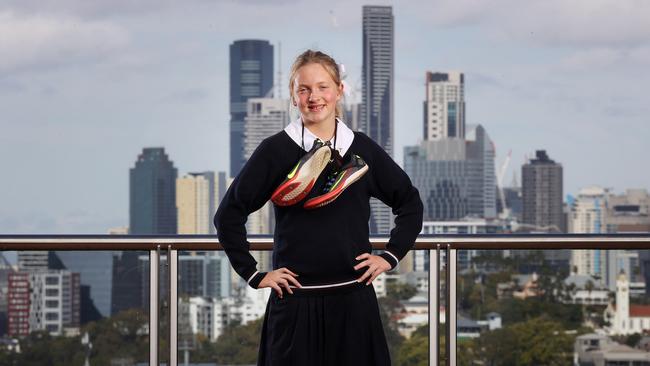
(324, 327)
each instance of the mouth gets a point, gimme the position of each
(316, 107)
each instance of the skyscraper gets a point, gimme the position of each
(542, 193)
(455, 177)
(251, 76)
(444, 107)
(95, 269)
(152, 187)
(377, 112)
(196, 202)
(152, 210)
(377, 75)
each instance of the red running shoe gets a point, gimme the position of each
(302, 177)
(338, 182)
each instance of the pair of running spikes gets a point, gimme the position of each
(303, 176)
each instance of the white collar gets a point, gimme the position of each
(343, 139)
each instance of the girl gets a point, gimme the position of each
(320, 176)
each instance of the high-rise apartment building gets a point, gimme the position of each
(444, 107)
(264, 118)
(197, 198)
(542, 194)
(5, 270)
(18, 304)
(587, 216)
(251, 76)
(152, 188)
(598, 211)
(377, 100)
(46, 300)
(55, 301)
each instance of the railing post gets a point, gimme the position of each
(434, 306)
(172, 262)
(154, 261)
(450, 310)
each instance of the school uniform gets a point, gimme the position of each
(332, 319)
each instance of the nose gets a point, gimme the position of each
(313, 95)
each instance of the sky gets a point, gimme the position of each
(85, 85)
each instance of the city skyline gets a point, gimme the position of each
(104, 88)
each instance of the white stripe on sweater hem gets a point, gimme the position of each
(326, 286)
(251, 277)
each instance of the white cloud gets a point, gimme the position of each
(593, 23)
(42, 42)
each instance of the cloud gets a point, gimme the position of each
(91, 9)
(578, 23)
(41, 42)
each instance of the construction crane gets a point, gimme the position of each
(505, 211)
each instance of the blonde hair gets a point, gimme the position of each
(323, 59)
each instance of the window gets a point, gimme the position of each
(51, 280)
(52, 328)
(52, 292)
(52, 304)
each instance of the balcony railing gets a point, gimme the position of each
(438, 247)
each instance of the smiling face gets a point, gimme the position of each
(315, 93)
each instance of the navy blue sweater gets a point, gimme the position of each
(319, 245)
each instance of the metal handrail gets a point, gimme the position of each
(424, 241)
(435, 244)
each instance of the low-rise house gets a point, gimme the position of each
(599, 350)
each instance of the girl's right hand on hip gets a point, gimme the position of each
(280, 278)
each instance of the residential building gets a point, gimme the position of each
(542, 194)
(444, 107)
(599, 350)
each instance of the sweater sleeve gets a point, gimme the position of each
(249, 191)
(393, 187)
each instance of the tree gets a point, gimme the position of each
(239, 344)
(400, 291)
(415, 350)
(539, 341)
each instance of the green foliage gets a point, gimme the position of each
(516, 311)
(400, 291)
(538, 341)
(121, 336)
(415, 350)
(238, 344)
(41, 349)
